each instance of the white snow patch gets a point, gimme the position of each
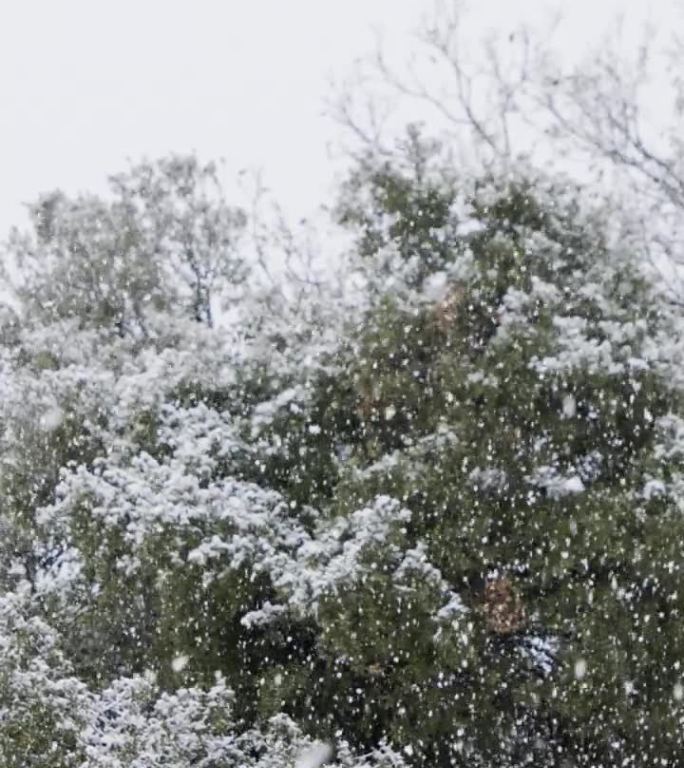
(180, 662)
(264, 615)
(314, 756)
(555, 484)
(569, 406)
(653, 488)
(51, 419)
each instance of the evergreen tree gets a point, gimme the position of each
(434, 522)
(514, 392)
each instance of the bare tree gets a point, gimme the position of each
(613, 119)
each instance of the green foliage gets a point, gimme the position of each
(537, 371)
(456, 528)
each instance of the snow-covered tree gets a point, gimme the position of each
(434, 520)
(165, 239)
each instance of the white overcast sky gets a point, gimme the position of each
(86, 84)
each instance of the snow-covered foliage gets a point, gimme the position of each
(48, 717)
(134, 723)
(431, 520)
(164, 240)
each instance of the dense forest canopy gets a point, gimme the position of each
(430, 515)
